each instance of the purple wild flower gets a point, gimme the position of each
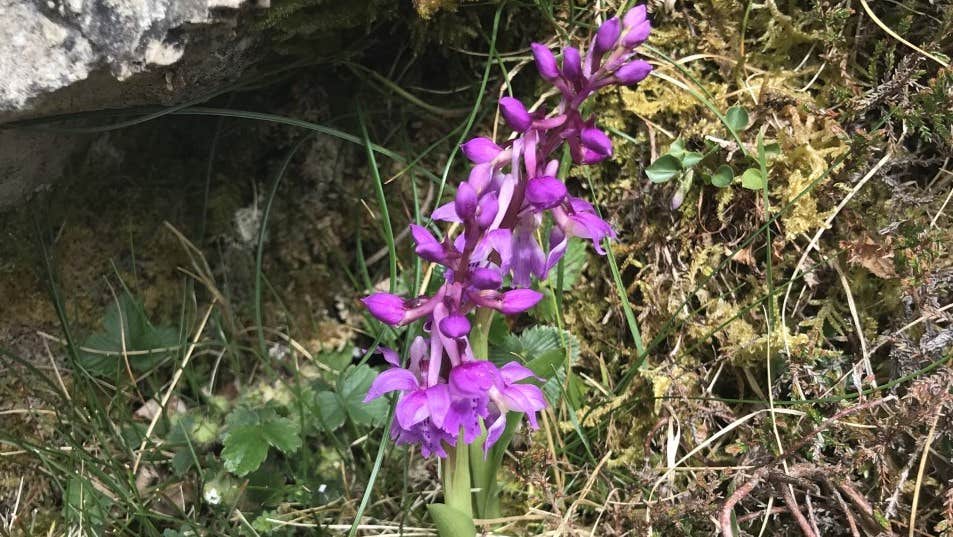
(446, 394)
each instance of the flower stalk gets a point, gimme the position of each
(454, 402)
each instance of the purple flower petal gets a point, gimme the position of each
(390, 356)
(545, 192)
(606, 36)
(412, 409)
(419, 350)
(473, 379)
(494, 432)
(480, 177)
(519, 300)
(446, 213)
(528, 258)
(464, 412)
(386, 307)
(633, 72)
(428, 247)
(455, 326)
(558, 242)
(515, 114)
(525, 398)
(438, 403)
(545, 62)
(486, 278)
(480, 150)
(514, 372)
(465, 201)
(497, 240)
(392, 380)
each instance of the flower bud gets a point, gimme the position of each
(572, 64)
(606, 36)
(637, 27)
(455, 326)
(465, 201)
(597, 142)
(515, 114)
(480, 150)
(486, 210)
(545, 192)
(386, 307)
(634, 16)
(633, 72)
(428, 247)
(545, 62)
(519, 300)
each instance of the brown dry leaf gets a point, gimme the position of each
(744, 256)
(877, 258)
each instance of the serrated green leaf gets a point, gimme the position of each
(737, 118)
(723, 176)
(330, 411)
(283, 434)
(251, 432)
(126, 327)
(451, 522)
(663, 169)
(352, 388)
(245, 449)
(752, 179)
(691, 158)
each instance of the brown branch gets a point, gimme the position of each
(791, 502)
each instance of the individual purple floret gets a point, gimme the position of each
(445, 392)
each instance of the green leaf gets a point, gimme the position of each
(691, 158)
(329, 409)
(677, 149)
(282, 433)
(451, 522)
(737, 118)
(663, 169)
(126, 327)
(772, 150)
(352, 388)
(85, 503)
(574, 261)
(245, 450)
(541, 349)
(752, 179)
(249, 434)
(723, 176)
(336, 360)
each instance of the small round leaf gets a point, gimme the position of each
(752, 179)
(736, 118)
(723, 176)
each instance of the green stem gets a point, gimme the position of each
(456, 479)
(482, 470)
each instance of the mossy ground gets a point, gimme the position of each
(753, 344)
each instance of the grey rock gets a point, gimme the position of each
(48, 45)
(65, 56)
